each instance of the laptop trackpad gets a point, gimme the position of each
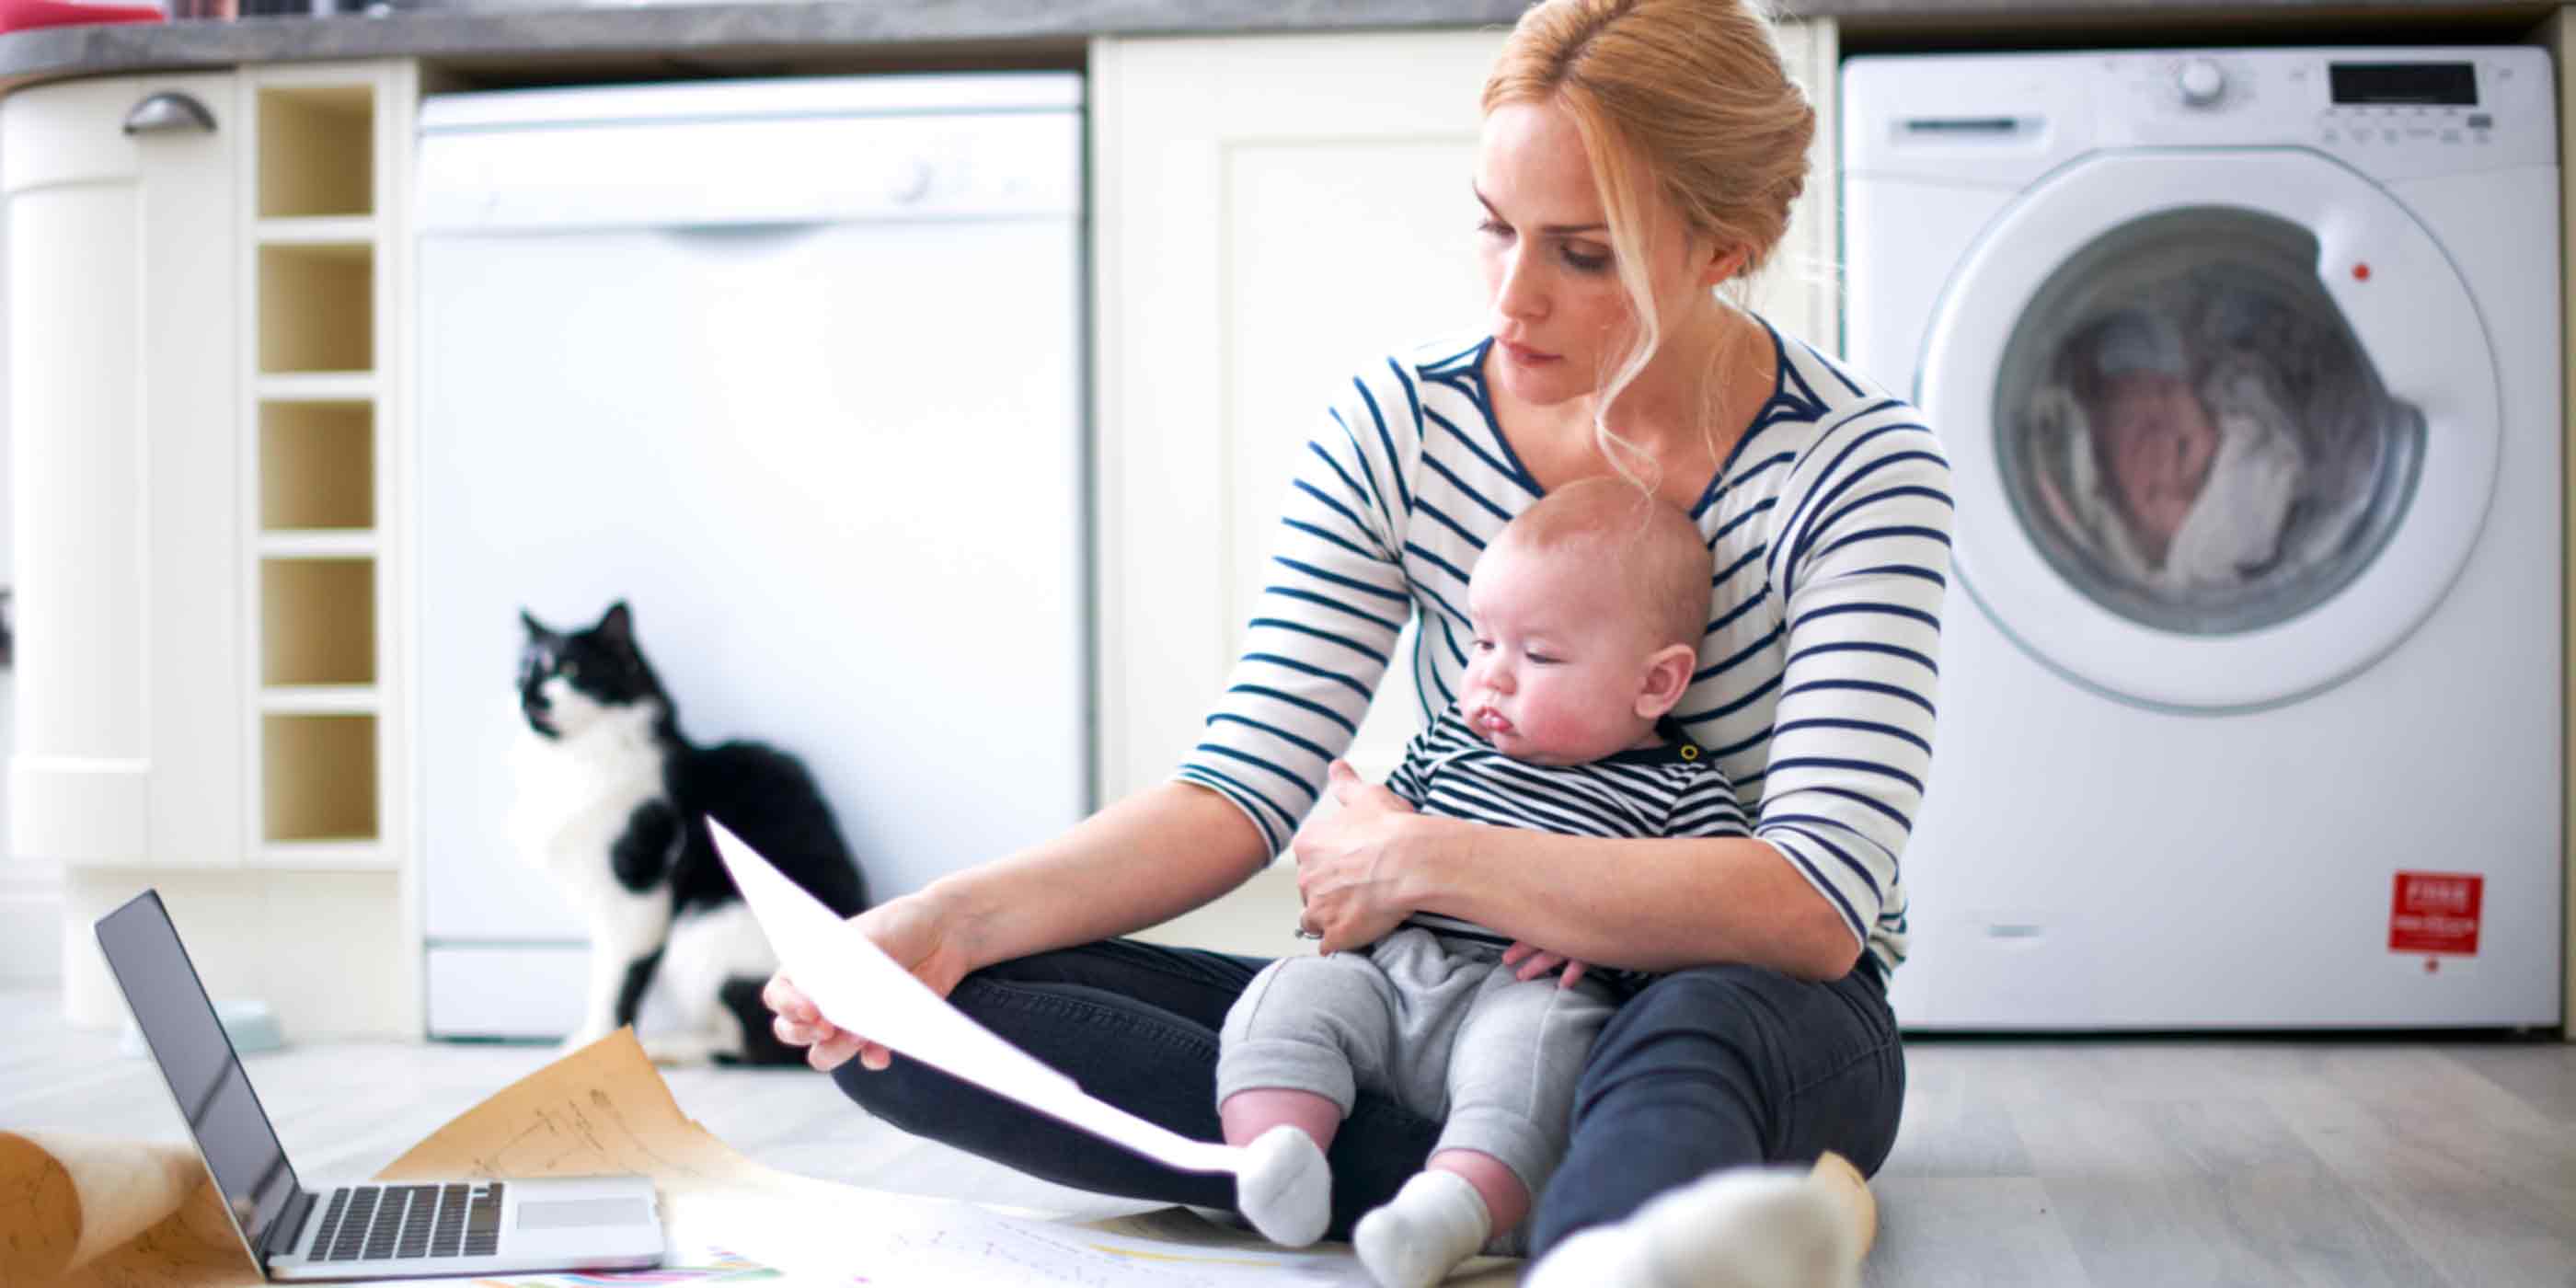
(575, 1214)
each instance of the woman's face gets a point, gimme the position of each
(1560, 318)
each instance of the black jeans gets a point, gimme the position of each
(1705, 1069)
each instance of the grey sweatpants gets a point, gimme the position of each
(1437, 1023)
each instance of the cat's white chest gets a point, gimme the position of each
(576, 795)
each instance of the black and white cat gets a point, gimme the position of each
(612, 801)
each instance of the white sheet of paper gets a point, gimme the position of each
(859, 988)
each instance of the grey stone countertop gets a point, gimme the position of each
(527, 37)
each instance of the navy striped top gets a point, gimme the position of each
(1815, 693)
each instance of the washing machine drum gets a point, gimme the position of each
(2224, 427)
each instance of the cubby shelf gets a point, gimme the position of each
(319, 543)
(319, 700)
(314, 386)
(319, 674)
(318, 230)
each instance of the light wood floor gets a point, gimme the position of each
(2056, 1163)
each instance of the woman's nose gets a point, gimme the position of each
(1515, 294)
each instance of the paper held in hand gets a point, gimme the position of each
(859, 988)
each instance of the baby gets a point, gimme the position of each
(1587, 609)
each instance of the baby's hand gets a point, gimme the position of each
(1535, 961)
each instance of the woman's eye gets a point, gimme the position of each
(1494, 228)
(1583, 263)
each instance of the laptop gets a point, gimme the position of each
(395, 1230)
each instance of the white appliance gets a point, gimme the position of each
(2247, 364)
(795, 368)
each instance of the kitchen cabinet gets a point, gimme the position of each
(204, 281)
(1270, 214)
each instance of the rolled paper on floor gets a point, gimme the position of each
(65, 1198)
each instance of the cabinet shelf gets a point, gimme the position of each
(320, 700)
(317, 307)
(317, 467)
(318, 777)
(318, 543)
(317, 150)
(317, 621)
(318, 230)
(314, 386)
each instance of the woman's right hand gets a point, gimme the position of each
(918, 933)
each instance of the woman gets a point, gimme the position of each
(1636, 156)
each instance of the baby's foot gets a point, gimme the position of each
(1286, 1188)
(1436, 1221)
(1747, 1228)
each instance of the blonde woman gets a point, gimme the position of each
(1637, 158)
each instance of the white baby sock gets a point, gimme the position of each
(1436, 1221)
(1747, 1228)
(1286, 1187)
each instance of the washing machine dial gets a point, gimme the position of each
(2201, 82)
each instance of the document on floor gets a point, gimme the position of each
(859, 988)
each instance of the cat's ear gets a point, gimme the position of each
(617, 625)
(536, 629)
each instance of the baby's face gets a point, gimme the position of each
(1560, 658)
(2159, 443)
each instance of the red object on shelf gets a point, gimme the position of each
(22, 15)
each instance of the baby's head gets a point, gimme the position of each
(1588, 610)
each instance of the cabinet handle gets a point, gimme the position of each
(167, 112)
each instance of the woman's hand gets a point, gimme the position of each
(1535, 961)
(1347, 863)
(915, 931)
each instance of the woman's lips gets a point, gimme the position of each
(1526, 356)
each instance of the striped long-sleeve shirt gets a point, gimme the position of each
(1815, 691)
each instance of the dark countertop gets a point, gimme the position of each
(514, 43)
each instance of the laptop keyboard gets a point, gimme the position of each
(383, 1222)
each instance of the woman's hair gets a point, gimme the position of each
(1686, 108)
(1654, 550)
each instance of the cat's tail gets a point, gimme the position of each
(740, 995)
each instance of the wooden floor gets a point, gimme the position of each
(2058, 1163)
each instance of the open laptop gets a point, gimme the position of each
(393, 1230)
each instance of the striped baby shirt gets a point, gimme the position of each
(1669, 790)
(1815, 690)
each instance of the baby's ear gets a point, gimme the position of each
(1668, 673)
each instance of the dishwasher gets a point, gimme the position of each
(795, 368)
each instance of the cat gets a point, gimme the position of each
(612, 802)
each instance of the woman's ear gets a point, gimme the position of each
(1722, 264)
(1668, 673)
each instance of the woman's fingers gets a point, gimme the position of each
(1573, 972)
(1539, 964)
(1520, 948)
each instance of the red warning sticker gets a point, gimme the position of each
(2436, 912)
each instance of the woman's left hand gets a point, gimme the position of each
(1346, 864)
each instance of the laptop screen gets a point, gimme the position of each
(206, 1079)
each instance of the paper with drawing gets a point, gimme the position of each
(859, 988)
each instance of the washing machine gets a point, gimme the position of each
(2248, 368)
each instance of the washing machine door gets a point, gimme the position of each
(2222, 425)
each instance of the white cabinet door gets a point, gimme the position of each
(1271, 213)
(122, 298)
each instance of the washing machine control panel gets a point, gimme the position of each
(2389, 112)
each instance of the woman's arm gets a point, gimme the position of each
(1144, 860)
